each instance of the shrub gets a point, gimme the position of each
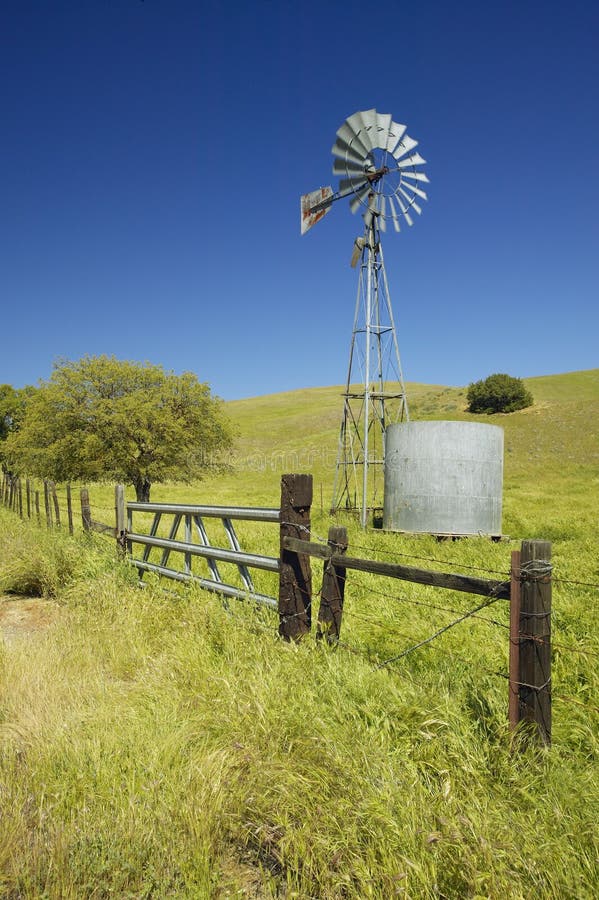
(498, 393)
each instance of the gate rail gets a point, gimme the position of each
(192, 516)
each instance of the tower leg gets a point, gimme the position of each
(374, 395)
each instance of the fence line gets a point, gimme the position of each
(27, 503)
(529, 582)
(429, 559)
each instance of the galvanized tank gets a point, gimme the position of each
(443, 478)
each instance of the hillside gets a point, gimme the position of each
(306, 418)
(551, 449)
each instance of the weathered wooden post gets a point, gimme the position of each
(333, 589)
(534, 676)
(28, 497)
(54, 496)
(37, 507)
(295, 574)
(69, 508)
(121, 519)
(47, 504)
(20, 496)
(514, 656)
(86, 513)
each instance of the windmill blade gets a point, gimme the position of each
(349, 137)
(404, 146)
(359, 197)
(362, 124)
(414, 160)
(411, 202)
(357, 251)
(342, 150)
(383, 124)
(415, 190)
(418, 176)
(405, 212)
(381, 207)
(394, 136)
(344, 166)
(394, 215)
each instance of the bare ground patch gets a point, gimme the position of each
(23, 617)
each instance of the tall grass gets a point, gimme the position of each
(160, 745)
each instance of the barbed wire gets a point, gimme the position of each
(557, 645)
(560, 580)
(434, 606)
(309, 531)
(432, 559)
(439, 632)
(367, 653)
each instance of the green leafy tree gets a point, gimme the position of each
(498, 393)
(99, 418)
(12, 410)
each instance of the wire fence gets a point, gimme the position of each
(56, 505)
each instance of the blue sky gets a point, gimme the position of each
(153, 155)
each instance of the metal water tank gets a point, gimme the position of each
(443, 478)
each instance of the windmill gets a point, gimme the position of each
(380, 174)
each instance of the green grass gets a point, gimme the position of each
(158, 745)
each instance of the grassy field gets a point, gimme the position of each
(160, 745)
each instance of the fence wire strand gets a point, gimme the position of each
(438, 633)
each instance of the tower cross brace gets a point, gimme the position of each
(374, 395)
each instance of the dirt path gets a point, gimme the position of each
(22, 617)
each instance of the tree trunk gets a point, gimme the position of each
(142, 490)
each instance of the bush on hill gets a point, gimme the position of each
(499, 393)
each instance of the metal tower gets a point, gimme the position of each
(374, 394)
(374, 154)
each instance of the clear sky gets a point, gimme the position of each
(152, 156)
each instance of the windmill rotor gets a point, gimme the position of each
(375, 154)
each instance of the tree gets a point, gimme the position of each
(12, 410)
(498, 393)
(99, 418)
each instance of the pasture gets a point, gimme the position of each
(158, 744)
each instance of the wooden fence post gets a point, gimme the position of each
(534, 676)
(69, 508)
(514, 657)
(54, 496)
(121, 519)
(86, 513)
(333, 589)
(295, 574)
(20, 496)
(47, 504)
(28, 497)
(37, 507)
